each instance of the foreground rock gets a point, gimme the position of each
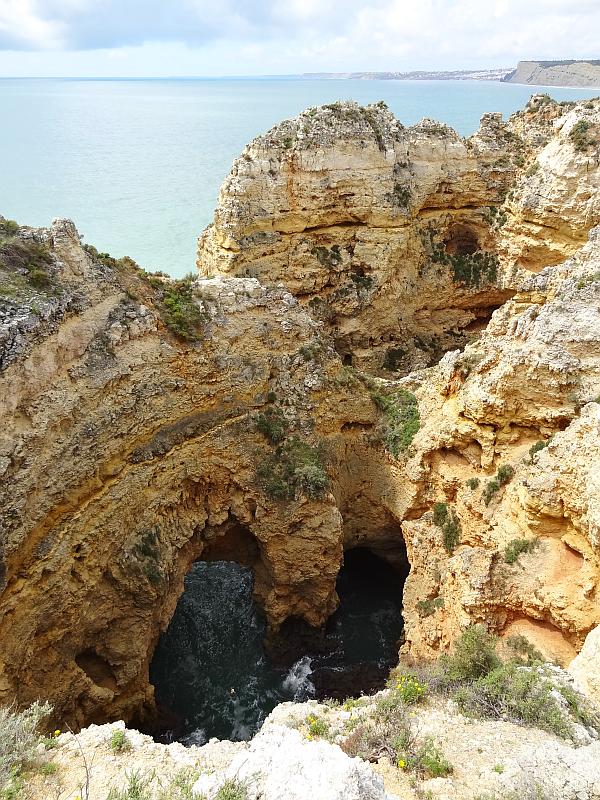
(490, 759)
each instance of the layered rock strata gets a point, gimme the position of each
(148, 424)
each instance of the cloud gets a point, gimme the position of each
(323, 34)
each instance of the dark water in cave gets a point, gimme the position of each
(210, 668)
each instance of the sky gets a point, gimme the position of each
(111, 38)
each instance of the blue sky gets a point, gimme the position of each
(256, 37)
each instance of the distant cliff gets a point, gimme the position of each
(556, 73)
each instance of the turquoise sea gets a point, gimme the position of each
(137, 164)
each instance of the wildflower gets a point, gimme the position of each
(57, 733)
(401, 764)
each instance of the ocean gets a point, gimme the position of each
(137, 164)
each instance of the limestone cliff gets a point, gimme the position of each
(148, 423)
(556, 73)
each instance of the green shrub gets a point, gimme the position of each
(401, 195)
(515, 547)
(428, 761)
(473, 656)
(523, 650)
(447, 519)
(579, 135)
(180, 787)
(48, 768)
(294, 468)
(119, 741)
(504, 474)
(19, 739)
(402, 420)
(232, 789)
(428, 607)
(470, 269)
(473, 483)
(407, 688)
(317, 726)
(490, 490)
(440, 513)
(138, 788)
(387, 732)
(8, 227)
(180, 312)
(516, 693)
(272, 424)
(535, 448)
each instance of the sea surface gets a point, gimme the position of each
(210, 669)
(137, 164)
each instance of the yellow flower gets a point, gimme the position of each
(401, 764)
(57, 733)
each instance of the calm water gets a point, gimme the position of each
(138, 163)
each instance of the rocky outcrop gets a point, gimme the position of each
(487, 758)
(556, 73)
(147, 423)
(355, 215)
(128, 453)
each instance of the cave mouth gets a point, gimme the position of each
(213, 676)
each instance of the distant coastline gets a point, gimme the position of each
(575, 74)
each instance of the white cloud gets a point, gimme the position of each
(301, 35)
(22, 26)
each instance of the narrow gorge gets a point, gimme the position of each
(380, 391)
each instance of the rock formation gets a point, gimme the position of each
(556, 73)
(148, 423)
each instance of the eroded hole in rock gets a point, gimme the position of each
(214, 677)
(97, 669)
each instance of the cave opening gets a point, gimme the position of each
(214, 673)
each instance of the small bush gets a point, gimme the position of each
(387, 733)
(490, 490)
(232, 789)
(48, 768)
(535, 448)
(473, 483)
(119, 742)
(516, 693)
(180, 787)
(579, 135)
(401, 412)
(428, 761)
(8, 227)
(515, 547)
(440, 513)
(180, 312)
(474, 655)
(327, 257)
(523, 650)
(447, 519)
(19, 739)
(295, 467)
(138, 788)
(504, 474)
(428, 607)
(272, 424)
(317, 726)
(407, 688)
